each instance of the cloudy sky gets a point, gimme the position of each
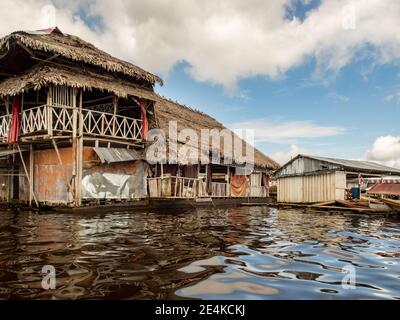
(318, 77)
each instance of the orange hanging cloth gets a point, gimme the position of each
(13, 130)
(238, 186)
(145, 122)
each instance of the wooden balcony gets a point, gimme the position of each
(51, 121)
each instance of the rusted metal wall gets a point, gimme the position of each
(312, 189)
(51, 179)
(122, 180)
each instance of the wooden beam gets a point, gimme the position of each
(74, 149)
(79, 150)
(27, 175)
(98, 100)
(31, 173)
(29, 50)
(57, 151)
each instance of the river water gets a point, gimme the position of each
(237, 253)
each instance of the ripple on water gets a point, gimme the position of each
(237, 253)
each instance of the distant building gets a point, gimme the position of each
(312, 179)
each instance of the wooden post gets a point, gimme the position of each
(228, 194)
(7, 101)
(74, 148)
(31, 174)
(27, 175)
(115, 105)
(206, 180)
(79, 153)
(49, 112)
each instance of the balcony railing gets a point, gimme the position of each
(220, 189)
(4, 125)
(61, 119)
(176, 187)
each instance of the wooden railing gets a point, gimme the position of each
(220, 189)
(60, 119)
(176, 187)
(108, 125)
(34, 120)
(258, 191)
(4, 125)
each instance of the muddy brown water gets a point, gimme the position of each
(237, 253)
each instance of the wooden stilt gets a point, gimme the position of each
(79, 152)
(31, 174)
(74, 149)
(27, 175)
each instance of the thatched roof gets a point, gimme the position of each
(76, 49)
(47, 74)
(167, 110)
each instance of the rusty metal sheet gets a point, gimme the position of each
(386, 188)
(113, 155)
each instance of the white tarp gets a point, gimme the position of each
(105, 185)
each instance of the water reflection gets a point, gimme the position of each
(239, 253)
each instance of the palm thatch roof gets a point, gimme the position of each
(167, 110)
(47, 74)
(75, 49)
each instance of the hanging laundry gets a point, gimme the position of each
(238, 186)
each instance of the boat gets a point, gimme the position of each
(394, 204)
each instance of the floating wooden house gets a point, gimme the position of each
(74, 125)
(312, 179)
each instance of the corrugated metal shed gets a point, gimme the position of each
(112, 155)
(386, 188)
(313, 188)
(309, 164)
(358, 165)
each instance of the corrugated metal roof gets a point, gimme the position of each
(112, 155)
(357, 165)
(386, 188)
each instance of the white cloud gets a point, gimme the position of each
(394, 96)
(225, 41)
(385, 150)
(286, 132)
(283, 157)
(339, 97)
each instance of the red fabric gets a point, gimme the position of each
(145, 122)
(15, 120)
(238, 186)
